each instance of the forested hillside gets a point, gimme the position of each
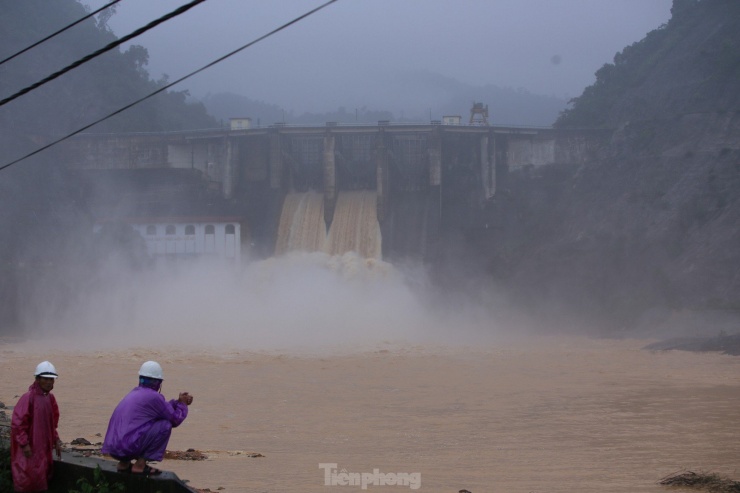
(44, 228)
(94, 89)
(648, 234)
(691, 65)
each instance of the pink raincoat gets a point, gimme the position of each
(141, 425)
(35, 420)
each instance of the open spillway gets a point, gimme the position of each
(302, 224)
(354, 227)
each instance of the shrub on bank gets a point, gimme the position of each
(6, 480)
(99, 484)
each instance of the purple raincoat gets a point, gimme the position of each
(141, 425)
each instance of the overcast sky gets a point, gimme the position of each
(347, 54)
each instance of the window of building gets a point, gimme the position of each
(189, 229)
(170, 229)
(210, 239)
(151, 229)
(230, 241)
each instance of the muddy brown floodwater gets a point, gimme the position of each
(545, 415)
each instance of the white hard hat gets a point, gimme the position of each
(45, 369)
(151, 369)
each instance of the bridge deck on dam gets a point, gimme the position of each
(331, 127)
(392, 128)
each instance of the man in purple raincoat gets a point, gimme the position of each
(142, 423)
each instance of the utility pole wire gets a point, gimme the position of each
(102, 50)
(59, 31)
(163, 88)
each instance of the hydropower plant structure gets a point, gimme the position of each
(414, 181)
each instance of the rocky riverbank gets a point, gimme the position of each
(724, 343)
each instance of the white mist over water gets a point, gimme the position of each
(298, 301)
(318, 293)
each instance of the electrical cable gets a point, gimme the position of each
(59, 31)
(163, 88)
(102, 50)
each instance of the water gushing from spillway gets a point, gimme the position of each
(302, 224)
(354, 228)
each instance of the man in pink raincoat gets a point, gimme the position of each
(33, 433)
(142, 423)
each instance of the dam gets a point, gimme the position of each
(390, 190)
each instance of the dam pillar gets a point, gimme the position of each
(330, 179)
(231, 167)
(381, 174)
(501, 162)
(487, 167)
(276, 162)
(435, 161)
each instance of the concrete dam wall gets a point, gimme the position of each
(386, 191)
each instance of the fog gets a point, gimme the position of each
(302, 302)
(400, 56)
(358, 53)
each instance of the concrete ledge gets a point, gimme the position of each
(74, 466)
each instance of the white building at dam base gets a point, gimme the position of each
(188, 237)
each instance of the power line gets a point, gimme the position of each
(102, 50)
(163, 88)
(59, 31)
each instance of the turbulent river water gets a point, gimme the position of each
(544, 414)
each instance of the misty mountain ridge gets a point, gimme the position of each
(413, 96)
